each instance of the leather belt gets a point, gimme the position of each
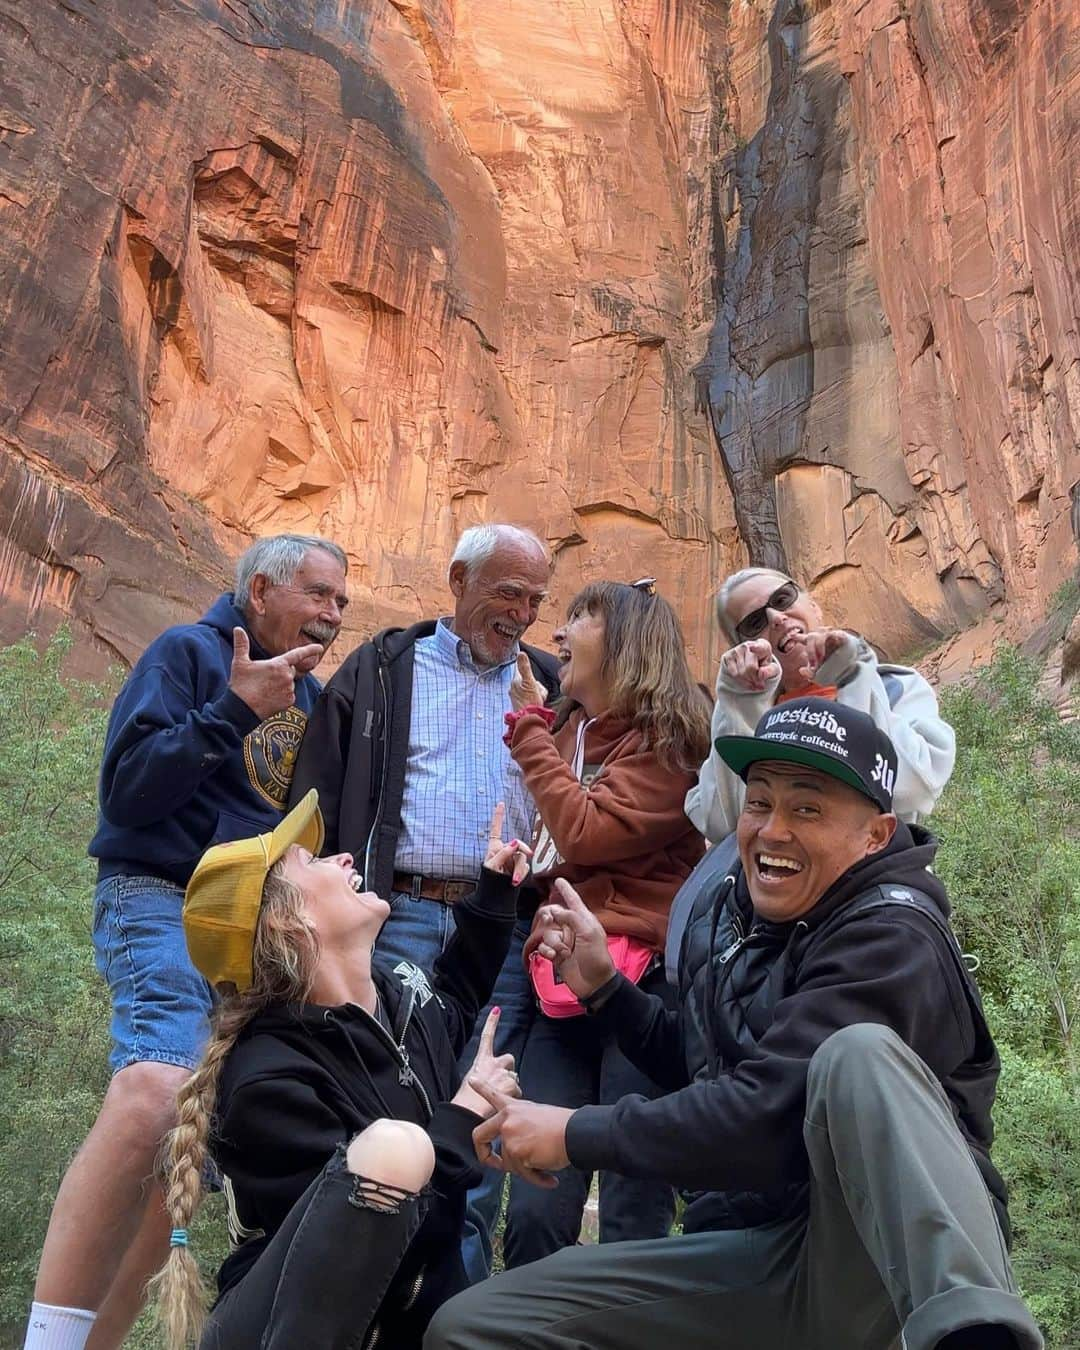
(432, 888)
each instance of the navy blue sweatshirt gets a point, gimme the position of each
(187, 763)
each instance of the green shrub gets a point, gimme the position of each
(54, 1010)
(1009, 822)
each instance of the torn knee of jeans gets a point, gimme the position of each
(379, 1195)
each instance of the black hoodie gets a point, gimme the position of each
(756, 1001)
(302, 1080)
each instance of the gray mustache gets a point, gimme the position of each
(321, 632)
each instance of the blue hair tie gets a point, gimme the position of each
(178, 1238)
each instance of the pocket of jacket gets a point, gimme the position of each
(230, 827)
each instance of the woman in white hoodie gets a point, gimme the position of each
(782, 648)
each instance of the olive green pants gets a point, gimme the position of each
(900, 1245)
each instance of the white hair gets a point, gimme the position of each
(478, 543)
(278, 558)
(723, 595)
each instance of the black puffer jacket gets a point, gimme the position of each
(300, 1081)
(756, 1001)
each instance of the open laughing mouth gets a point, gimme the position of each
(794, 634)
(356, 881)
(773, 867)
(507, 632)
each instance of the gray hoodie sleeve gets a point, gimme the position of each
(714, 802)
(908, 714)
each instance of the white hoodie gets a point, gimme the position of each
(899, 700)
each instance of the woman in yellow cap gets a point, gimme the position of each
(328, 1098)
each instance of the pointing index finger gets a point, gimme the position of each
(298, 655)
(495, 829)
(499, 1100)
(487, 1036)
(573, 901)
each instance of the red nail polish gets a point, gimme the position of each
(496, 1010)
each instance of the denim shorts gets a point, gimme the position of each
(160, 1002)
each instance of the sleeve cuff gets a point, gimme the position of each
(599, 998)
(842, 666)
(587, 1134)
(495, 896)
(232, 709)
(453, 1125)
(533, 712)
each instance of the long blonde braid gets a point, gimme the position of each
(283, 964)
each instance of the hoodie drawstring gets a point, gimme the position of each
(331, 1020)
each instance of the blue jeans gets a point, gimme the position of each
(160, 1002)
(569, 1062)
(418, 930)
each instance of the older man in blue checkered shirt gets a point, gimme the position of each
(405, 747)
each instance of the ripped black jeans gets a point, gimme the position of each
(322, 1277)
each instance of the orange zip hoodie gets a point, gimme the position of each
(626, 843)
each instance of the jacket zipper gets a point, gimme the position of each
(741, 939)
(406, 1076)
(368, 877)
(414, 1292)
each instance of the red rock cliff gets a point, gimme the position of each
(669, 280)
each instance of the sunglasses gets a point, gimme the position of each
(755, 623)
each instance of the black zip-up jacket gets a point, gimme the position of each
(756, 1000)
(356, 748)
(300, 1081)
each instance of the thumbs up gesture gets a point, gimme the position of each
(267, 687)
(526, 691)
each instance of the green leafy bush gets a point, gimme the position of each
(54, 1010)
(1009, 822)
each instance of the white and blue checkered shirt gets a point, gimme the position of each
(458, 767)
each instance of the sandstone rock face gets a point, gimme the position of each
(380, 272)
(893, 376)
(675, 283)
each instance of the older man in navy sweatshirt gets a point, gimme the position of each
(200, 749)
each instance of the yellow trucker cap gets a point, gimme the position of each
(223, 897)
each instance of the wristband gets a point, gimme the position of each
(547, 715)
(592, 1003)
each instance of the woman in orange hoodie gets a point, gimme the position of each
(608, 770)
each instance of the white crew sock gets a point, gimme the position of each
(53, 1328)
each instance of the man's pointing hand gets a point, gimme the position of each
(532, 1138)
(267, 687)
